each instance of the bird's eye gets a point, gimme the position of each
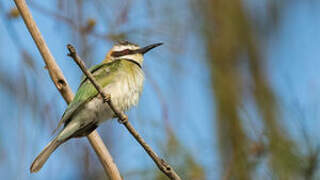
(126, 51)
(121, 53)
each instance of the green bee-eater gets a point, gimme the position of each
(121, 76)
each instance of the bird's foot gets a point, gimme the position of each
(123, 120)
(107, 98)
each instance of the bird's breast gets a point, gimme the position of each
(125, 92)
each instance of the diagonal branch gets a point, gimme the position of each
(123, 119)
(64, 89)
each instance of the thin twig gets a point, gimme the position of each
(64, 89)
(123, 119)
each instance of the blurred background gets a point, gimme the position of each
(232, 94)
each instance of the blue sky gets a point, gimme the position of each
(292, 68)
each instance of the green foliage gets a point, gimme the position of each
(231, 42)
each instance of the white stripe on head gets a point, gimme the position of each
(120, 47)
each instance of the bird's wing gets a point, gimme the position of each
(87, 91)
(92, 69)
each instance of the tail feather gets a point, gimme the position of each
(44, 155)
(65, 134)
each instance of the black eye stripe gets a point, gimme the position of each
(123, 52)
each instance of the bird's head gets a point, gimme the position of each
(127, 50)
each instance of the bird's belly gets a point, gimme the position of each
(124, 95)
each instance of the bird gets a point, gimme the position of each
(120, 74)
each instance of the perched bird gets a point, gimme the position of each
(121, 76)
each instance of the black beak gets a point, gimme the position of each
(148, 48)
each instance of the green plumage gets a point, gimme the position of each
(86, 91)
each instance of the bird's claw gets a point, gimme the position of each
(107, 98)
(123, 120)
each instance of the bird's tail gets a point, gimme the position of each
(44, 155)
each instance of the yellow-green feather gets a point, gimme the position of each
(103, 73)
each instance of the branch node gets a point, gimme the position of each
(72, 50)
(165, 165)
(60, 84)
